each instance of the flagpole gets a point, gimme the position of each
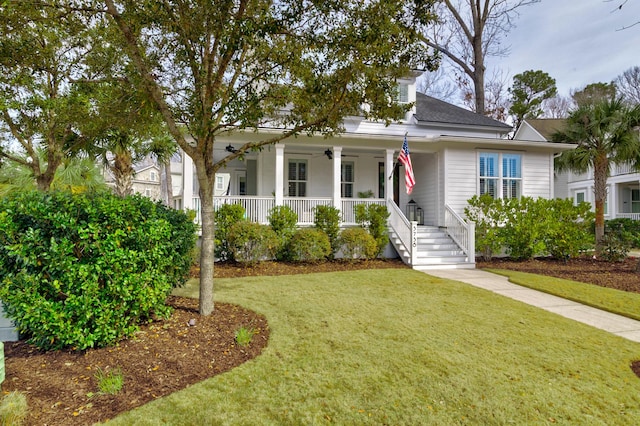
(396, 163)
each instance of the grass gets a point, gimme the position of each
(401, 347)
(13, 409)
(244, 336)
(608, 299)
(109, 382)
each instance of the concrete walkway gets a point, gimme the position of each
(616, 324)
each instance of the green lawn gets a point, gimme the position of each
(609, 299)
(400, 347)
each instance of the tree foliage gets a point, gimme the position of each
(41, 55)
(85, 270)
(605, 131)
(216, 67)
(468, 32)
(528, 92)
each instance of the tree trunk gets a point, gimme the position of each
(600, 173)
(478, 70)
(123, 174)
(167, 183)
(207, 259)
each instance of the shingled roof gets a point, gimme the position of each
(432, 110)
(547, 126)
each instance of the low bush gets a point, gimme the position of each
(283, 220)
(357, 243)
(373, 218)
(251, 242)
(309, 245)
(85, 270)
(487, 214)
(624, 225)
(225, 217)
(525, 227)
(327, 219)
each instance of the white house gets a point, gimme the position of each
(623, 185)
(455, 154)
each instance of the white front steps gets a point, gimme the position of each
(435, 250)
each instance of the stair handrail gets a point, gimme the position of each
(405, 230)
(462, 232)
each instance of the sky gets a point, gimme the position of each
(577, 42)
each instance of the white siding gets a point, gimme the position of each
(425, 193)
(461, 178)
(561, 185)
(536, 174)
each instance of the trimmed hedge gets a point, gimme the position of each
(85, 270)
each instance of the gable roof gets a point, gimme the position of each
(546, 127)
(432, 110)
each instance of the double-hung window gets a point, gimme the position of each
(511, 175)
(347, 179)
(489, 176)
(500, 174)
(297, 178)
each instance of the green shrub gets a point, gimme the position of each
(251, 242)
(526, 227)
(85, 270)
(567, 228)
(629, 226)
(284, 222)
(225, 217)
(357, 243)
(327, 219)
(373, 218)
(487, 213)
(523, 227)
(615, 247)
(309, 245)
(617, 241)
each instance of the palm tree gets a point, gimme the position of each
(74, 174)
(606, 131)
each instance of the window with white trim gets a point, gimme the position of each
(635, 201)
(500, 174)
(347, 179)
(403, 93)
(152, 176)
(580, 197)
(219, 183)
(297, 178)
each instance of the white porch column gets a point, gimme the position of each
(388, 170)
(279, 190)
(337, 177)
(187, 182)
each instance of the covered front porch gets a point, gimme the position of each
(303, 177)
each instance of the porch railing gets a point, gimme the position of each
(405, 230)
(348, 209)
(256, 208)
(634, 216)
(305, 207)
(462, 232)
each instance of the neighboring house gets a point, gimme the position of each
(146, 179)
(623, 185)
(455, 153)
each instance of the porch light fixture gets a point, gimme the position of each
(415, 213)
(231, 148)
(329, 154)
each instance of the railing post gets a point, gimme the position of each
(471, 255)
(414, 242)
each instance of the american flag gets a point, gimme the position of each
(405, 159)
